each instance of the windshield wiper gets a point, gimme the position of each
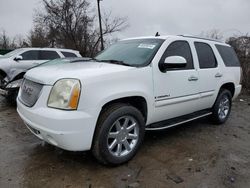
(113, 61)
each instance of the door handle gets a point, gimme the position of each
(192, 78)
(218, 75)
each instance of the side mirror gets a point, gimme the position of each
(173, 62)
(18, 58)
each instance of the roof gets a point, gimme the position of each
(180, 37)
(61, 49)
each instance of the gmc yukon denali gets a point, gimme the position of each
(147, 83)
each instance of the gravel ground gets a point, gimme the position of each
(197, 154)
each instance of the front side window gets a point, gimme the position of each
(205, 55)
(179, 48)
(137, 52)
(48, 55)
(30, 55)
(228, 55)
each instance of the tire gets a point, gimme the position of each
(1, 79)
(113, 139)
(222, 107)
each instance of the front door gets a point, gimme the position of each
(176, 90)
(30, 59)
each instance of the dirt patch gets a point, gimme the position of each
(197, 154)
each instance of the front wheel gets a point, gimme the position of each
(119, 133)
(222, 107)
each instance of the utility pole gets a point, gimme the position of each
(100, 24)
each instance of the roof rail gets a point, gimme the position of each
(203, 38)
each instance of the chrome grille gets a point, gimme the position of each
(30, 92)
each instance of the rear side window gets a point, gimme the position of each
(48, 55)
(228, 55)
(205, 55)
(68, 54)
(179, 48)
(30, 55)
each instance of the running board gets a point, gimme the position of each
(177, 121)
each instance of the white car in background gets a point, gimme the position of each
(148, 83)
(14, 65)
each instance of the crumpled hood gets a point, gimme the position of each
(83, 70)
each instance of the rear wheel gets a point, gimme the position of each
(119, 133)
(222, 107)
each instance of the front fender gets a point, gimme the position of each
(102, 90)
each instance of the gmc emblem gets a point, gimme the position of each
(27, 90)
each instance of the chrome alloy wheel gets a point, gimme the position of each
(123, 136)
(224, 107)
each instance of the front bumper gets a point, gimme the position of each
(69, 130)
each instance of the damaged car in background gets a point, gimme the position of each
(15, 64)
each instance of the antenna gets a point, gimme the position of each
(157, 34)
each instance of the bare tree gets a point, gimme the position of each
(8, 43)
(212, 34)
(4, 40)
(242, 47)
(38, 38)
(72, 24)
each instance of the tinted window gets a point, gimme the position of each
(48, 55)
(228, 55)
(205, 55)
(69, 54)
(30, 55)
(179, 48)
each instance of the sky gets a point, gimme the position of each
(146, 17)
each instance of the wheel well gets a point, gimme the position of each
(2, 73)
(136, 101)
(230, 87)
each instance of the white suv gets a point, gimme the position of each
(148, 83)
(14, 65)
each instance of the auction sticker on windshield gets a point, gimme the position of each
(149, 46)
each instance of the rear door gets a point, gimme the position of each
(176, 90)
(68, 54)
(210, 74)
(46, 55)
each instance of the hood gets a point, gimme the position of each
(4, 58)
(13, 73)
(83, 70)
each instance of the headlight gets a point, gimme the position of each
(15, 84)
(65, 94)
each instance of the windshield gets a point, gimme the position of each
(12, 53)
(137, 52)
